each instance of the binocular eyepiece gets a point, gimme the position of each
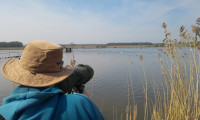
(81, 75)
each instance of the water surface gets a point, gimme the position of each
(115, 69)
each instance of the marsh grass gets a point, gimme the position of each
(131, 108)
(179, 98)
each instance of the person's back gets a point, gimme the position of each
(36, 97)
(48, 104)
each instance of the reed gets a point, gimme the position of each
(131, 108)
(180, 65)
(180, 99)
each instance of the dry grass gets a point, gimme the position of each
(131, 111)
(179, 98)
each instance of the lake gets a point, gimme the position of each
(115, 71)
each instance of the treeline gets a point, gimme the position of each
(112, 44)
(133, 43)
(11, 44)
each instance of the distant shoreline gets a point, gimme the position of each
(11, 48)
(88, 47)
(110, 46)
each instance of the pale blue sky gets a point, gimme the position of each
(94, 21)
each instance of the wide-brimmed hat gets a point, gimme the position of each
(40, 65)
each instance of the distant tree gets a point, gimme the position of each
(133, 43)
(11, 44)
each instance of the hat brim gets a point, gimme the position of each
(14, 72)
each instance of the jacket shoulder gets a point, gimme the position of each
(76, 107)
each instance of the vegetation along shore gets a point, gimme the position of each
(19, 46)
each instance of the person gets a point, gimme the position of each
(37, 72)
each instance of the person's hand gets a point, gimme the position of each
(84, 92)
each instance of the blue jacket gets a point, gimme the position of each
(48, 104)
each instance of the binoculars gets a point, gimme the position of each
(81, 75)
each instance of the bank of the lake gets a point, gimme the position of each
(90, 46)
(11, 48)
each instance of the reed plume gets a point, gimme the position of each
(180, 99)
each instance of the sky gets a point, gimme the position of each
(94, 21)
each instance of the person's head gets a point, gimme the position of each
(40, 65)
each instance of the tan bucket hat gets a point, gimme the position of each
(40, 65)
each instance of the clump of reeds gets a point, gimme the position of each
(180, 99)
(131, 110)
